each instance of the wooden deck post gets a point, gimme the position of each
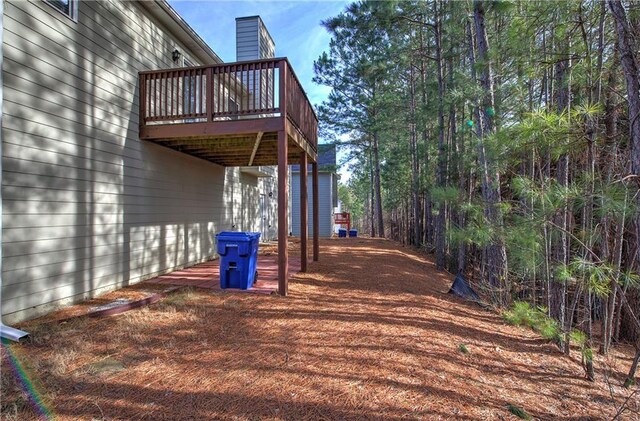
(283, 223)
(143, 101)
(209, 94)
(316, 242)
(303, 212)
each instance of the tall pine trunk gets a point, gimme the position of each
(415, 169)
(629, 63)
(495, 253)
(377, 184)
(558, 292)
(372, 194)
(441, 168)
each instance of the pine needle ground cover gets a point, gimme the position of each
(368, 333)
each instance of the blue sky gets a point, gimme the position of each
(294, 26)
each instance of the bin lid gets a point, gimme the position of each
(237, 236)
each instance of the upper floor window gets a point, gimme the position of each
(67, 7)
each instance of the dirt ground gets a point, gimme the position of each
(368, 333)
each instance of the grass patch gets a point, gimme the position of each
(43, 334)
(519, 412)
(179, 298)
(463, 348)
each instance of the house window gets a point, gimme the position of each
(66, 7)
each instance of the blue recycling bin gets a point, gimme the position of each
(342, 232)
(238, 258)
(353, 233)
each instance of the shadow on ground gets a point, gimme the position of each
(368, 333)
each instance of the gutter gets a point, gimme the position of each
(6, 332)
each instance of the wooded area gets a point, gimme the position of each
(504, 137)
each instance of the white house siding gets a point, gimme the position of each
(87, 206)
(270, 185)
(325, 204)
(267, 46)
(243, 208)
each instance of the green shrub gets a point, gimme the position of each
(522, 314)
(578, 337)
(548, 329)
(519, 315)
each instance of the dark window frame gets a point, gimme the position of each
(69, 8)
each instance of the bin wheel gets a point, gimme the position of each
(255, 277)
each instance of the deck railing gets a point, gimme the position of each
(228, 91)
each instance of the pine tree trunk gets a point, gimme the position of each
(495, 253)
(373, 200)
(409, 231)
(440, 169)
(462, 183)
(587, 327)
(415, 176)
(598, 87)
(610, 124)
(428, 219)
(630, 380)
(558, 288)
(377, 185)
(612, 329)
(636, 322)
(426, 227)
(630, 66)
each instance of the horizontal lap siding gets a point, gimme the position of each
(247, 39)
(87, 207)
(325, 205)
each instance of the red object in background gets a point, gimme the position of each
(343, 218)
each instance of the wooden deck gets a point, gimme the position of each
(207, 275)
(230, 113)
(252, 113)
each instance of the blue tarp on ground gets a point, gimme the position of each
(462, 289)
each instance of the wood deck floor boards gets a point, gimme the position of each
(207, 275)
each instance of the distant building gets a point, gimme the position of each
(327, 193)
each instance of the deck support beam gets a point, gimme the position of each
(255, 147)
(283, 223)
(316, 234)
(303, 211)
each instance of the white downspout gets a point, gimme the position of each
(6, 332)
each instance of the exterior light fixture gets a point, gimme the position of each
(176, 55)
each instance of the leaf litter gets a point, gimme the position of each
(368, 333)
